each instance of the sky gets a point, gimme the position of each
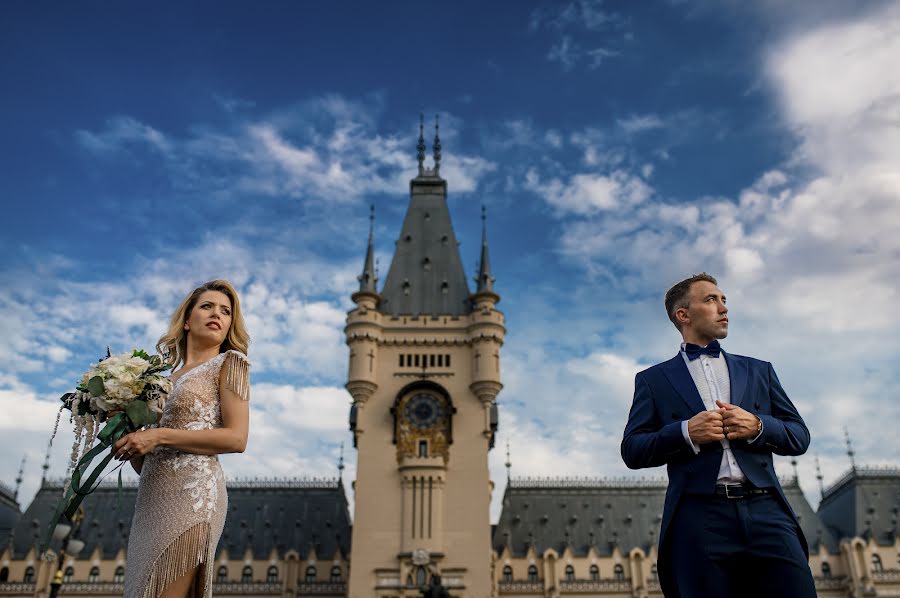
(617, 147)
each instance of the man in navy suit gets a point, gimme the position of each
(715, 420)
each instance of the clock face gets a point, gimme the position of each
(423, 410)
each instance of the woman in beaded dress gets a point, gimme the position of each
(181, 503)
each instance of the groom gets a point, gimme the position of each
(715, 419)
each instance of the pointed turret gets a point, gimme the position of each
(426, 275)
(484, 290)
(368, 280)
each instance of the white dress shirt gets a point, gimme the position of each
(710, 375)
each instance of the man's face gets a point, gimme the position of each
(706, 314)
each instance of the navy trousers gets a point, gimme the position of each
(727, 548)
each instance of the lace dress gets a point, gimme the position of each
(181, 503)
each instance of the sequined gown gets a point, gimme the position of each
(181, 503)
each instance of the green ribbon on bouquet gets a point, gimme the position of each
(118, 426)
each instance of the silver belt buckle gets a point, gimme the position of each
(728, 492)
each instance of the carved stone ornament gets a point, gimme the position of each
(420, 557)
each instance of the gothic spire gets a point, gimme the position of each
(420, 147)
(46, 465)
(850, 451)
(508, 463)
(368, 280)
(820, 478)
(437, 147)
(484, 280)
(341, 463)
(19, 478)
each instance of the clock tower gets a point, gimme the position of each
(424, 376)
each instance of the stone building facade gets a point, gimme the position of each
(424, 376)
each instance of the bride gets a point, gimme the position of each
(182, 502)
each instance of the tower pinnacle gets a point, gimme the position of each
(368, 280)
(485, 281)
(420, 147)
(850, 451)
(508, 463)
(437, 147)
(19, 478)
(820, 478)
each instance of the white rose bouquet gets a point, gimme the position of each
(127, 392)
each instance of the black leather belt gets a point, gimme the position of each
(740, 491)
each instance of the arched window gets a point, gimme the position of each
(119, 575)
(570, 573)
(310, 576)
(94, 575)
(619, 573)
(595, 573)
(654, 573)
(272, 574)
(421, 576)
(222, 574)
(826, 570)
(532, 574)
(68, 574)
(336, 575)
(4, 574)
(877, 567)
(507, 574)
(29, 575)
(247, 574)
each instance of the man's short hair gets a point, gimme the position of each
(676, 297)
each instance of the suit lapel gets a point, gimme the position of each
(680, 378)
(737, 372)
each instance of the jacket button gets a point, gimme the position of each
(765, 465)
(674, 415)
(756, 405)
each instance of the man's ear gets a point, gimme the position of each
(681, 315)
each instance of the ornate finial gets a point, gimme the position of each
(46, 464)
(508, 462)
(420, 148)
(371, 222)
(850, 451)
(796, 473)
(437, 146)
(20, 477)
(341, 463)
(819, 477)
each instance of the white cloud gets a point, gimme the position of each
(590, 193)
(327, 149)
(122, 132)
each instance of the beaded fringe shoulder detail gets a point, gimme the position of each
(237, 374)
(187, 551)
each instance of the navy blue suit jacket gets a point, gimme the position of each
(665, 395)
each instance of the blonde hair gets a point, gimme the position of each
(173, 344)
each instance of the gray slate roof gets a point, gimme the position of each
(864, 502)
(9, 512)
(262, 515)
(581, 513)
(426, 274)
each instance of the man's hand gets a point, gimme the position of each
(706, 427)
(737, 423)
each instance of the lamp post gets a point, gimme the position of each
(64, 532)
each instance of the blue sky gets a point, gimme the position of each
(617, 147)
